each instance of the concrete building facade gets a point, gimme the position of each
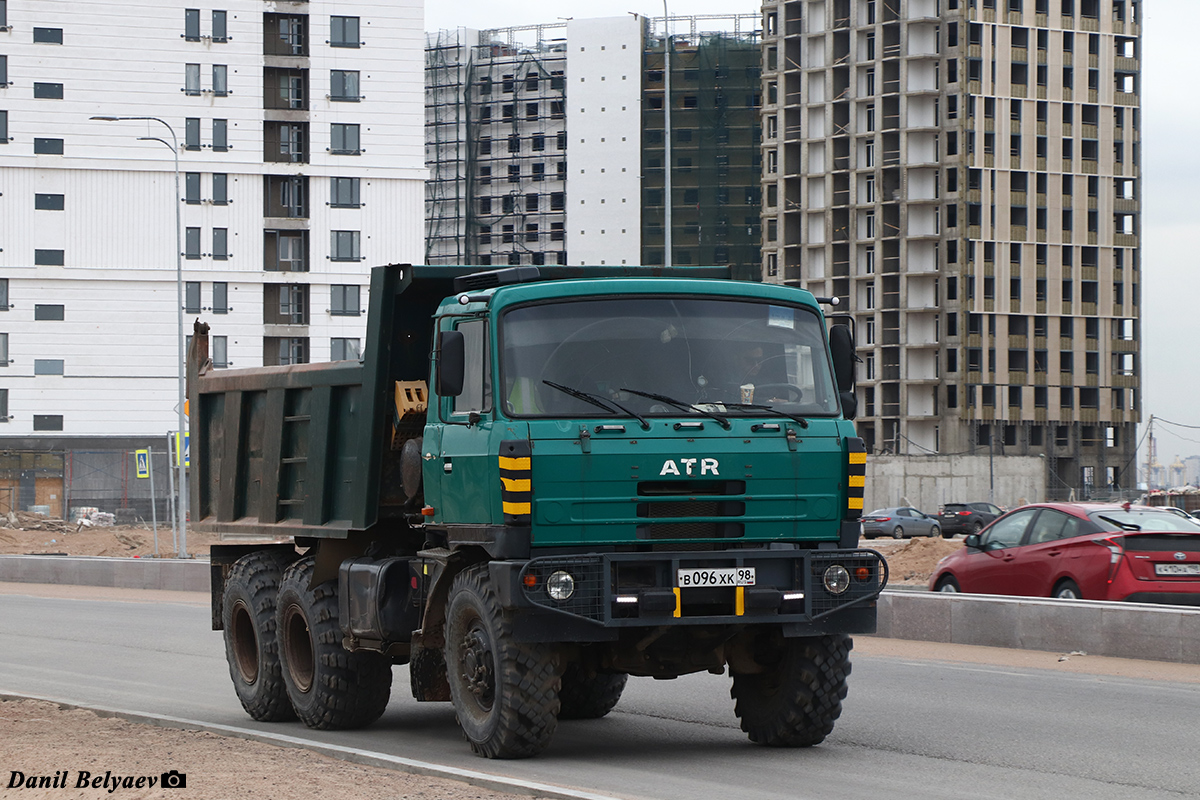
(546, 144)
(964, 175)
(300, 163)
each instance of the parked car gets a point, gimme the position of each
(899, 523)
(967, 517)
(1088, 551)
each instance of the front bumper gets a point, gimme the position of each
(638, 590)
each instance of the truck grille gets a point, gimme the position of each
(685, 501)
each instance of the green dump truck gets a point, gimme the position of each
(533, 486)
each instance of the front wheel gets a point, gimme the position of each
(505, 693)
(329, 687)
(948, 584)
(796, 699)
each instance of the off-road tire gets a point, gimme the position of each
(329, 687)
(505, 693)
(251, 646)
(587, 694)
(796, 701)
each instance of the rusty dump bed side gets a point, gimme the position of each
(304, 450)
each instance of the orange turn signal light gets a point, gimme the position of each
(530, 580)
(427, 511)
(863, 573)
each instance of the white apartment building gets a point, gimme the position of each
(965, 175)
(299, 144)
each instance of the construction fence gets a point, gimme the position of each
(66, 484)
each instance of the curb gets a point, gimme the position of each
(186, 575)
(368, 758)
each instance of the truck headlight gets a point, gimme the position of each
(561, 585)
(837, 579)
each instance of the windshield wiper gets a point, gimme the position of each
(662, 398)
(801, 421)
(599, 402)
(1125, 526)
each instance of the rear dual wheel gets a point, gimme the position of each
(329, 687)
(251, 644)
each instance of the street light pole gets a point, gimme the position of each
(667, 198)
(181, 365)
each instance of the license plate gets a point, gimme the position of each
(722, 576)
(1177, 569)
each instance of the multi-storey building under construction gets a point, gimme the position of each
(965, 175)
(505, 108)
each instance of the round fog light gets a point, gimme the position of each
(561, 585)
(837, 579)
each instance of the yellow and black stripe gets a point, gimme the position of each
(856, 477)
(516, 480)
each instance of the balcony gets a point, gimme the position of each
(1125, 345)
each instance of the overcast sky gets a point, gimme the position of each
(1171, 185)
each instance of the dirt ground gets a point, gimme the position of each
(910, 561)
(40, 739)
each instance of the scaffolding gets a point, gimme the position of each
(496, 143)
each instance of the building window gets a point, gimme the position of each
(4, 294)
(220, 183)
(191, 243)
(191, 297)
(220, 28)
(343, 85)
(282, 351)
(191, 133)
(47, 366)
(220, 298)
(220, 140)
(49, 258)
(345, 246)
(48, 91)
(343, 350)
(3, 392)
(220, 351)
(49, 202)
(47, 35)
(191, 24)
(289, 39)
(220, 251)
(51, 312)
(44, 147)
(344, 139)
(343, 192)
(47, 422)
(191, 79)
(285, 251)
(558, 201)
(285, 141)
(3, 122)
(220, 80)
(343, 32)
(191, 188)
(343, 301)
(531, 203)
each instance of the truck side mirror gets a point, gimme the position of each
(841, 344)
(451, 368)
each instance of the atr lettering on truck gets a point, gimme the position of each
(707, 466)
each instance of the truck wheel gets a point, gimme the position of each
(587, 694)
(505, 693)
(251, 647)
(796, 700)
(329, 687)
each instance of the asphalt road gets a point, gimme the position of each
(912, 726)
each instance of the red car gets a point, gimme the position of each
(1086, 551)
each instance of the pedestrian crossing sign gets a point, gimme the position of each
(143, 463)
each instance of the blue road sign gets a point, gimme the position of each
(143, 463)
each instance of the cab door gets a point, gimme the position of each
(461, 471)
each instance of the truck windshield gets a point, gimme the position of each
(716, 353)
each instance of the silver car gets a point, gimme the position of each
(898, 523)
